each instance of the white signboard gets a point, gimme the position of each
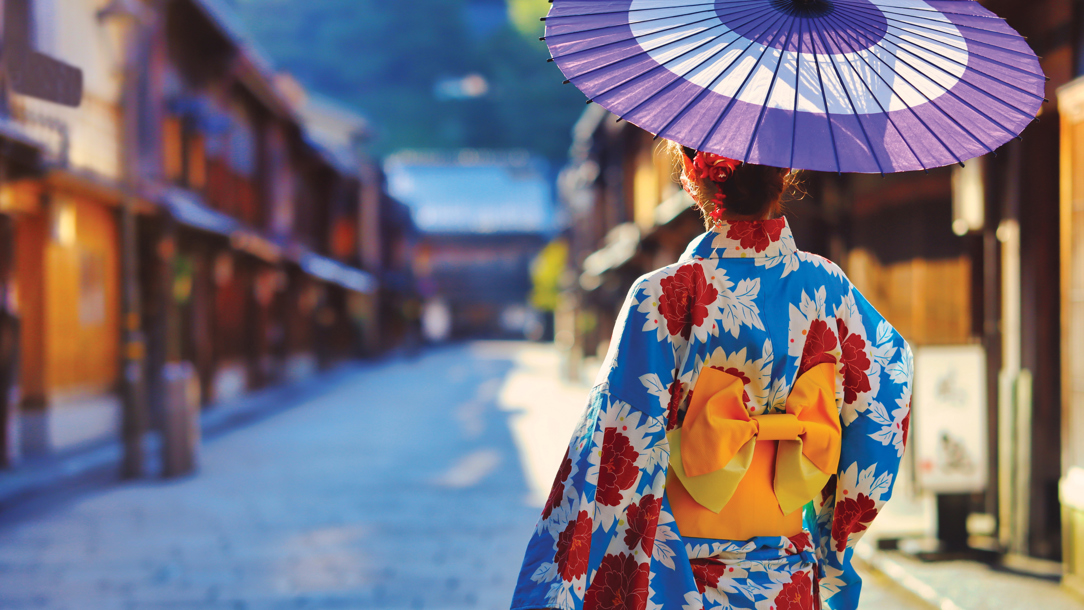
(949, 419)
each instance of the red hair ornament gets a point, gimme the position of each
(718, 169)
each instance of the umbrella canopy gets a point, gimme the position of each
(828, 85)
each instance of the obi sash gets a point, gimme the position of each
(735, 476)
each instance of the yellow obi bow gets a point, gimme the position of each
(713, 449)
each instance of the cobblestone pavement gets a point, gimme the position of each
(408, 484)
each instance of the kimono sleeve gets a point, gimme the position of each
(874, 394)
(644, 356)
(603, 522)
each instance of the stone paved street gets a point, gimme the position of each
(406, 484)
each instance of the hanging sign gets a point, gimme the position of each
(949, 419)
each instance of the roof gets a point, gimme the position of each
(473, 191)
(334, 129)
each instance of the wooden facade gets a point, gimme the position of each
(251, 257)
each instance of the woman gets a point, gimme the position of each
(745, 428)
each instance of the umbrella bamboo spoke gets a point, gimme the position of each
(854, 108)
(771, 89)
(906, 44)
(899, 23)
(703, 90)
(947, 90)
(737, 94)
(762, 17)
(651, 20)
(933, 103)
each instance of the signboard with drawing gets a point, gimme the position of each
(949, 419)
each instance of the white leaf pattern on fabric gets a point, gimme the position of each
(739, 307)
(901, 371)
(693, 601)
(662, 552)
(819, 261)
(879, 414)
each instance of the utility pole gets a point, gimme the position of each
(130, 16)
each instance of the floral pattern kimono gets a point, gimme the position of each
(742, 299)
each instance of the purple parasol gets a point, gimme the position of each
(829, 85)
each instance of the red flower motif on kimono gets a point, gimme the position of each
(574, 548)
(756, 235)
(617, 470)
(802, 541)
(853, 515)
(619, 584)
(906, 425)
(643, 519)
(819, 341)
(796, 594)
(855, 363)
(685, 299)
(557, 492)
(707, 573)
(675, 403)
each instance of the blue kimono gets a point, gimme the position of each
(745, 300)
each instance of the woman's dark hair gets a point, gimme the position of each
(752, 191)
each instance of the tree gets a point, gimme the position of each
(386, 58)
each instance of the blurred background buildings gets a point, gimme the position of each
(181, 224)
(194, 227)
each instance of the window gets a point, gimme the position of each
(43, 22)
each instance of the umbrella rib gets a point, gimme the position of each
(929, 10)
(741, 88)
(797, 84)
(827, 112)
(886, 114)
(633, 38)
(935, 105)
(959, 63)
(660, 65)
(896, 23)
(843, 85)
(644, 51)
(956, 25)
(949, 91)
(630, 23)
(771, 89)
(652, 8)
(714, 82)
(613, 42)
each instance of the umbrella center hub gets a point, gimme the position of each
(805, 8)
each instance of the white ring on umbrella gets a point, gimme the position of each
(896, 82)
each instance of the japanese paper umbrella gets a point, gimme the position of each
(829, 85)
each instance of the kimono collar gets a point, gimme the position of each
(744, 239)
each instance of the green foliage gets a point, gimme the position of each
(384, 58)
(526, 16)
(546, 271)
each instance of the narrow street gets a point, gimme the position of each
(407, 484)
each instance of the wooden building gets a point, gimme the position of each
(196, 228)
(482, 217)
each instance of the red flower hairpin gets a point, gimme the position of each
(717, 169)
